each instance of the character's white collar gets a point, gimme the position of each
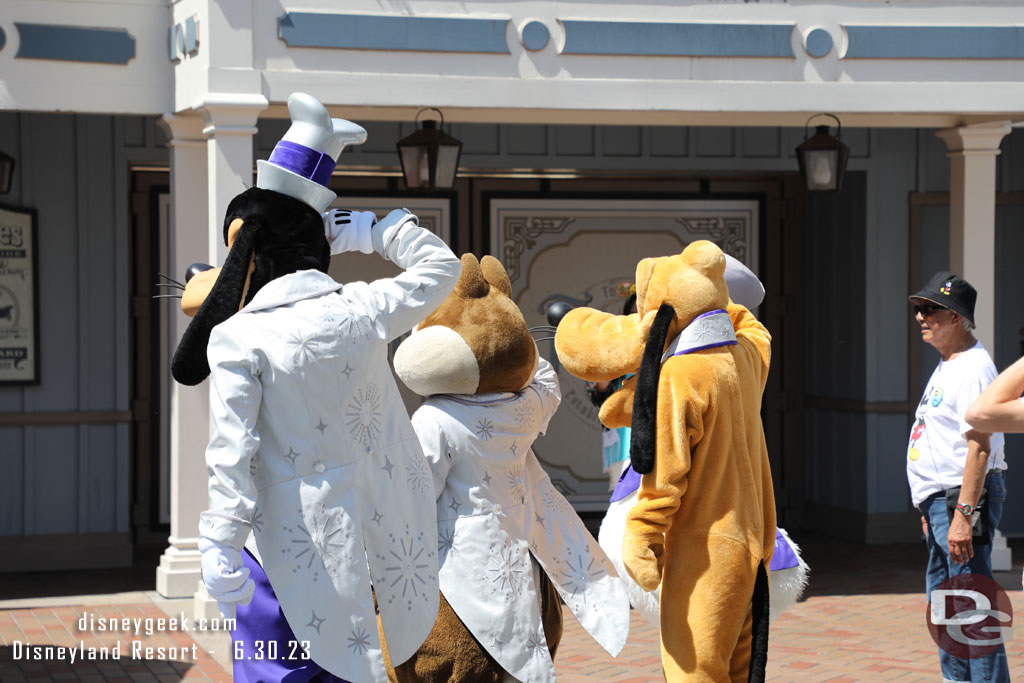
(706, 331)
(287, 289)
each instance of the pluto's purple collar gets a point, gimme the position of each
(706, 331)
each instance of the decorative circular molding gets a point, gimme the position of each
(535, 36)
(818, 43)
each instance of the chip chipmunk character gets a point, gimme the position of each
(313, 462)
(703, 527)
(511, 546)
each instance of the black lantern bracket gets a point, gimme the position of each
(416, 121)
(839, 125)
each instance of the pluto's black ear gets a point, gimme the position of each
(189, 365)
(645, 397)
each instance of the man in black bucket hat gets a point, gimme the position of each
(946, 290)
(956, 472)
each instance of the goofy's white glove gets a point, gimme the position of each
(226, 579)
(349, 230)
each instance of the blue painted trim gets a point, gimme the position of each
(175, 43)
(935, 42)
(679, 40)
(191, 36)
(3, 39)
(535, 36)
(75, 43)
(819, 43)
(374, 32)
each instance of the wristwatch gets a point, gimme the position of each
(965, 509)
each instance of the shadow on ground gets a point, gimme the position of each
(53, 663)
(845, 568)
(39, 584)
(838, 567)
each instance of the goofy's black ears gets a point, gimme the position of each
(645, 397)
(190, 365)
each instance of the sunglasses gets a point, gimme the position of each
(926, 310)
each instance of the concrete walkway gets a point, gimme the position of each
(863, 619)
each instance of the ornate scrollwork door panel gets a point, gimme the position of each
(583, 251)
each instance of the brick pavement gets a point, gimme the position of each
(840, 638)
(862, 620)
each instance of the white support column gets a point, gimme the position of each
(972, 237)
(972, 215)
(230, 124)
(190, 413)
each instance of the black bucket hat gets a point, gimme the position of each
(949, 291)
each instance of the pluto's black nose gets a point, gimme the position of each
(557, 311)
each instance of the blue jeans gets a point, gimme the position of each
(990, 668)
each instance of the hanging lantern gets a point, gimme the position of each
(822, 158)
(430, 157)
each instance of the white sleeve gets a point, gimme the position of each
(235, 397)
(431, 271)
(435, 448)
(545, 384)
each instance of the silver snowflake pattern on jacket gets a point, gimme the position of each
(554, 501)
(359, 641)
(303, 348)
(302, 550)
(578, 570)
(408, 565)
(364, 414)
(505, 571)
(319, 542)
(445, 541)
(525, 415)
(516, 481)
(484, 429)
(418, 472)
(537, 644)
(351, 328)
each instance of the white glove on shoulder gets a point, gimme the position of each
(349, 230)
(225, 578)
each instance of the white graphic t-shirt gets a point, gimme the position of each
(938, 449)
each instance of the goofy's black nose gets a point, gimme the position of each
(195, 269)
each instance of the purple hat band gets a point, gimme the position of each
(303, 161)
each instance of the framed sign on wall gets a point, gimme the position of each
(19, 304)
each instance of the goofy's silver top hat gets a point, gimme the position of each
(302, 161)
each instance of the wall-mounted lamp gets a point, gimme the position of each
(429, 156)
(6, 172)
(822, 158)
